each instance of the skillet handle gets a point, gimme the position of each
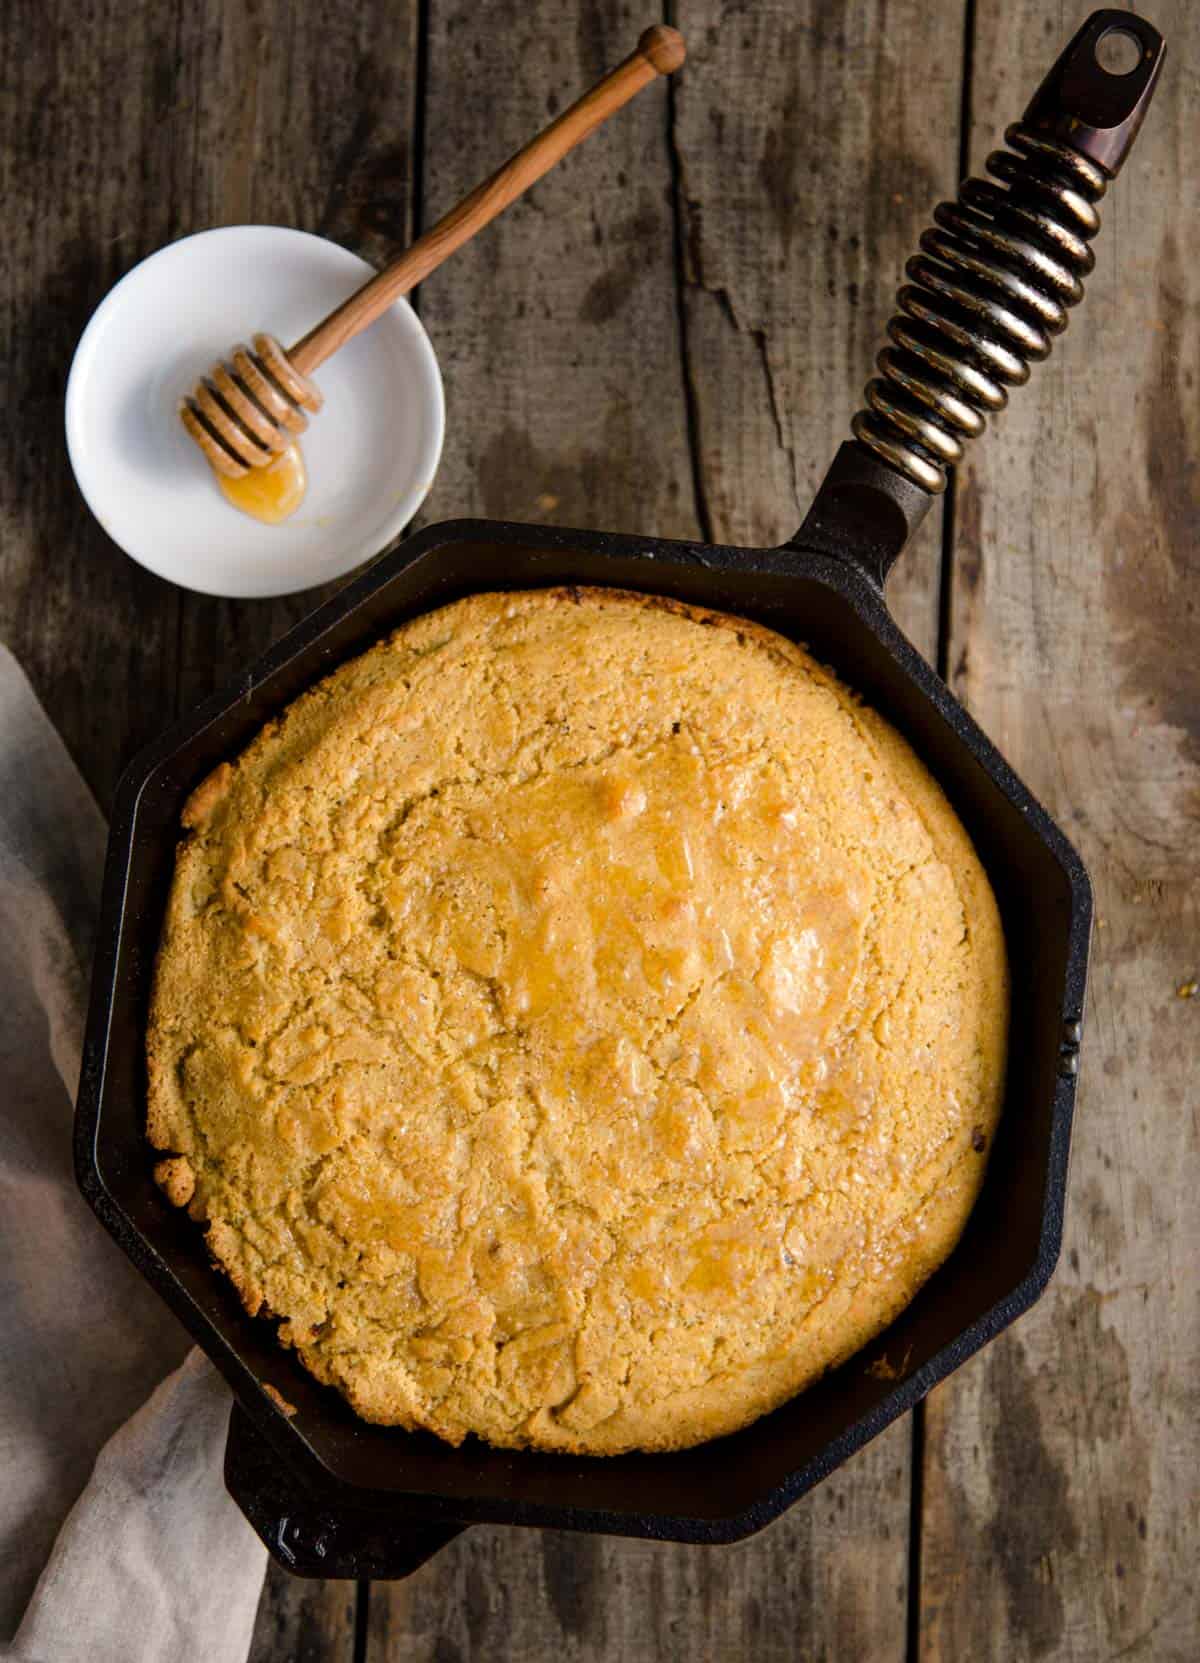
(988, 292)
(309, 1537)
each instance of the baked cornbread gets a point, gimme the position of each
(579, 1020)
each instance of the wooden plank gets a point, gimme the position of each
(1060, 1488)
(541, 350)
(227, 113)
(119, 131)
(556, 329)
(304, 1622)
(810, 1587)
(304, 116)
(813, 141)
(85, 191)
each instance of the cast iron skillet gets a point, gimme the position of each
(332, 1496)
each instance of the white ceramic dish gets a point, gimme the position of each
(371, 452)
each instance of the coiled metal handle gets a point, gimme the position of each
(1005, 262)
(990, 290)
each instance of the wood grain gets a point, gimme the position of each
(94, 632)
(812, 140)
(1061, 1517)
(304, 1622)
(556, 330)
(831, 1578)
(658, 52)
(305, 116)
(808, 1588)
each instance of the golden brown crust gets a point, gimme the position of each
(581, 1017)
(277, 1398)
(203, 801)
(177, 1179)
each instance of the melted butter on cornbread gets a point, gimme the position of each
(577, 1020)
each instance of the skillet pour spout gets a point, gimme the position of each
(991, 287)
(333, 1496)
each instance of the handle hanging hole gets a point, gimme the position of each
(1118, 51)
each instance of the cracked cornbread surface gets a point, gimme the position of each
(579, 1020)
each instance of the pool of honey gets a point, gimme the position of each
(272, 493)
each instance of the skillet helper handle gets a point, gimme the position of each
(992, 286)
(325, 1537)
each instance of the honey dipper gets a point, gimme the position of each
(245, 413)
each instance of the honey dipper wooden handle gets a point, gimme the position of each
(660, 51)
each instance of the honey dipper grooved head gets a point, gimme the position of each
(242, 414)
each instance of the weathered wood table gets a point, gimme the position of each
(668, 335)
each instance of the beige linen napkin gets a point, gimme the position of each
(128, 1549)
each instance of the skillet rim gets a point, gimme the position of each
(863, 593)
